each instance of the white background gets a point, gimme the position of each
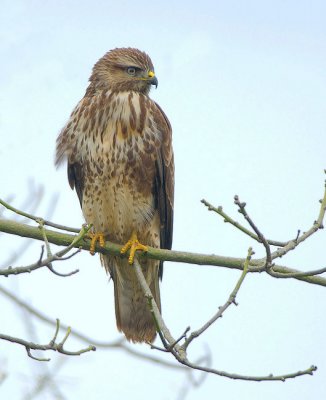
(243, 84)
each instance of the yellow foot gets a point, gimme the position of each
(133, 244)
(96, 237)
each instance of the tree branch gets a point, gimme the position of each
(179, 352)
(219, 210)
(39, 220)
(52, 345)
(222, 309)
(59, 256)
(119, 344)
(170, 344)
(64, 239)
(242, 210)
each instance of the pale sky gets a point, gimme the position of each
(244, 86)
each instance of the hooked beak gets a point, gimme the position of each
(152, 79)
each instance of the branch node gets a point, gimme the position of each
(28, 350)
(39, 262)
(63, 341)
(57, 327)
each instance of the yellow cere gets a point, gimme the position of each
(151, 74)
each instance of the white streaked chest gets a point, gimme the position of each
(118, 151)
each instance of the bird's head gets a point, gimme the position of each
(124, 69)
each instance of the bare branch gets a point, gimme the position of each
(37, 219)
(52, 345)
(285, 275)
(166, 337)
(270, 377)
(272, 269)
(64, 239)
(119, 344)
(171, 345)
(221, 310)
(317, 225)
(31, 202)
(56, 257)
(242, 210)
(59, 256)
(219, 210)
(180, 353)
(287, 246)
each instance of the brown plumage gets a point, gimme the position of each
(120, 161)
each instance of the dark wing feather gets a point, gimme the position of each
(76, 179)
(164, 181)
(67, 147)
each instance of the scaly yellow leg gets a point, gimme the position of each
(133, 244)
(96, 237)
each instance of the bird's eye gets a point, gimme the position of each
(131, 71)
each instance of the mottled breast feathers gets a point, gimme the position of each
(104, 120)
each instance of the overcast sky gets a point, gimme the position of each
(244, 86)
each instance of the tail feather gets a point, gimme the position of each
(133, 316)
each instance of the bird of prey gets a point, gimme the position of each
(118, 147)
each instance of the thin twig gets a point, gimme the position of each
(270, 377)
(59, 256)
(165, 334)
(285, 275)
(181, 355)
(119, 344)
(219, 210)
(31, 202)
(54, 257)
(37, 219)
(169, 347)
(221, 310)
(242, 210)
(317, 225)
(52, 345)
